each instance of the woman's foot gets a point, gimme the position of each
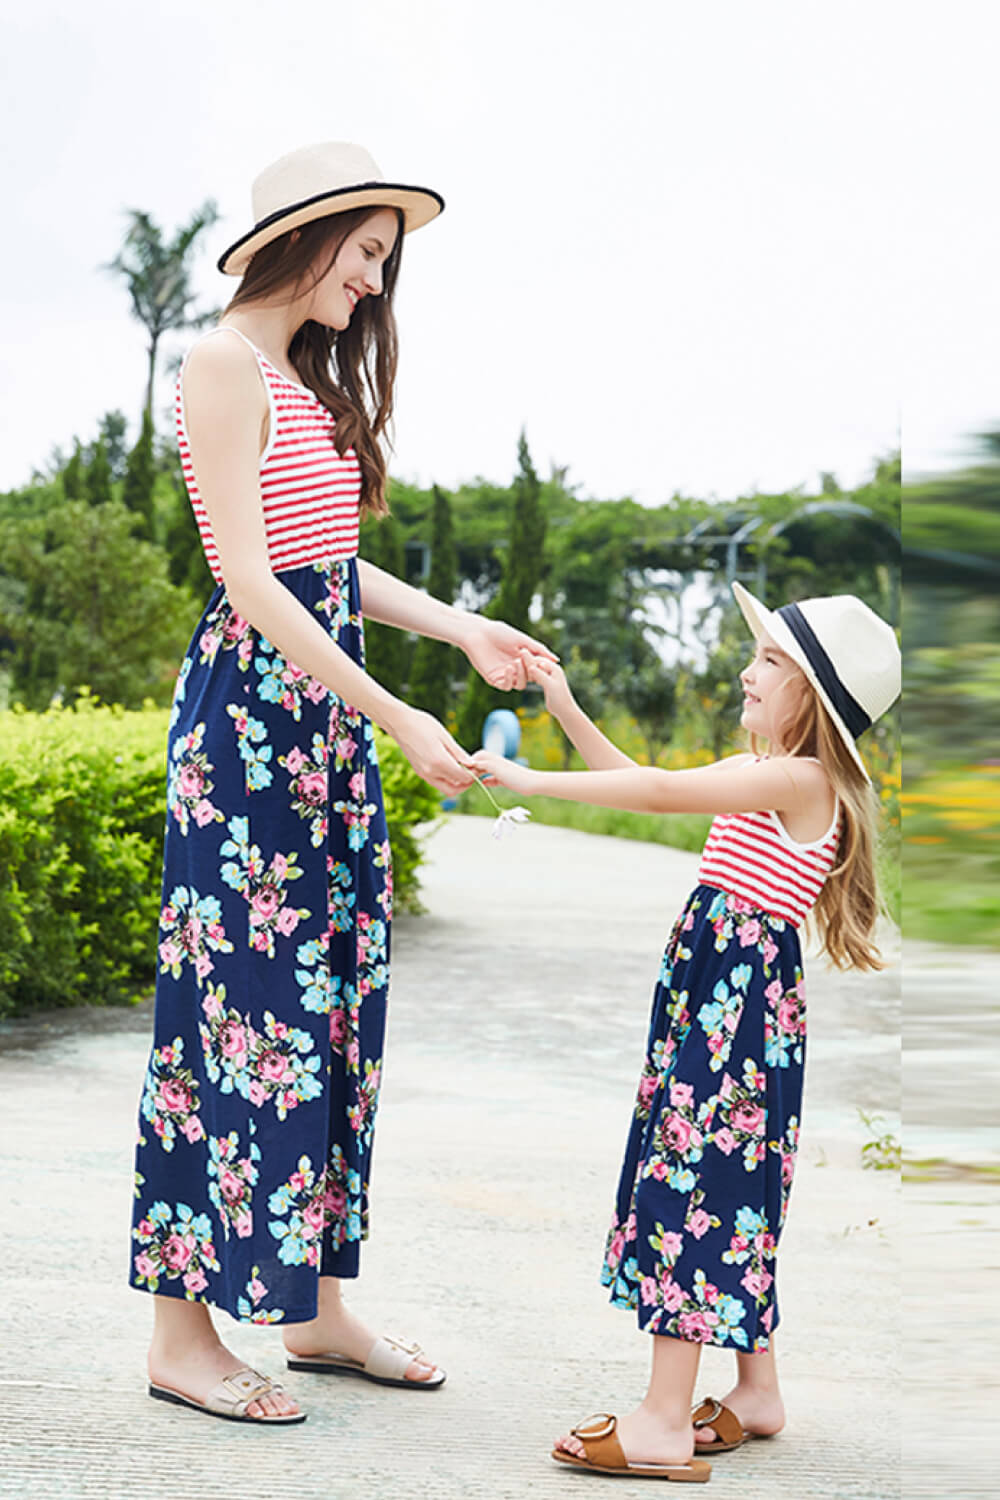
(645, 1438)
(195, 1368)
(337, 1331)
(760, 1410)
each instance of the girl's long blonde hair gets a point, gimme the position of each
(848, 906)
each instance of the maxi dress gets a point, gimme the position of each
(258, 1107)
(711, 1148)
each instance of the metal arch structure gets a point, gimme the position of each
(734, 530)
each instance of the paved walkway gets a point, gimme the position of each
(518, 1019)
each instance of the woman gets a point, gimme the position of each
(259, 1101)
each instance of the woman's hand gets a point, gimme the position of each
(431, 751)
(494, 649)
(496, 771)
(552, 680)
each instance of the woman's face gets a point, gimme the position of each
(357, 271)
(772, 691)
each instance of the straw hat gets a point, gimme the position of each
(847, 652)
(316, 181)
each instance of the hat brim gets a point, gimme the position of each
(417, 205)
(764, 621)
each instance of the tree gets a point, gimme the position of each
(387, 650)
(98, 609)
(140, 477)
(522, 574)
(97, 476)
(71, 476)
(112, 430)
(157, 273)
(433, 661)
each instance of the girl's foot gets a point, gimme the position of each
(338, 1331)
(645, 1439)
(760, 1411)
(193, 1369)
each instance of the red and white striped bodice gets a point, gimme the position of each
(310, 493)
(752, 855)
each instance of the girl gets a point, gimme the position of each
(259, 1101)
(711, 1150)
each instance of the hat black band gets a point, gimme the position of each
(847, 707)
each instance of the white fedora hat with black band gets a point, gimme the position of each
(846, 650)
(317, 181)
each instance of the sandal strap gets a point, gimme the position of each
(390, 1358)
(235, 1392)
(597, 1434)
(724, 1423)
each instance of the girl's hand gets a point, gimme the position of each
(496, 771)
(431, 751)
(494, 649)
(551, 679)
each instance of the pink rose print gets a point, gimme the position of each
(295, 760)
(681, 1094)
(673, 1296)
(196, 1280)
(287, 921)
(678, 1132)
(725, 1140)
(697, 1326)
(749, 933)
(176, 1253)
(143, 1264)
(748, 1117)
(192, 1129)
(699, 1223)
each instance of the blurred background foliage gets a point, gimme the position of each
(951, 718)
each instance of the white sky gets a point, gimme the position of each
(675, 239)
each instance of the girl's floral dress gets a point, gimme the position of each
(258, 1107)
(711, 1149)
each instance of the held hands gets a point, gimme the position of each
(497, 652)
(431, 751)
(551, 679)
(496, 771)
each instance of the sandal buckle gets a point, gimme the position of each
(606, 1426)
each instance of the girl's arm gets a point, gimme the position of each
(225, 409)
(492, 647)
(581, 731)
(785, 783)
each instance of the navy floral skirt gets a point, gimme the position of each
(259, 1102)
(711, 1150)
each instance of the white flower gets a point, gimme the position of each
(506, 821)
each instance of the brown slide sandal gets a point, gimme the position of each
(729, 1430)
(605, 1456)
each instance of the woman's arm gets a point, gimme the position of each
(492, 647)
(784, 783)
(225, 406)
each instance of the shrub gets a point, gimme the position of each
(82, 807)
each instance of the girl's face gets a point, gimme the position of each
(357, 271)
(772, 691)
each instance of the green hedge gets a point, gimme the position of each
(82, 808)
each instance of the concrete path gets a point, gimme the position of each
(518, 1018)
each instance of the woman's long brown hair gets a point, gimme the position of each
(352, 371)
(848, 906)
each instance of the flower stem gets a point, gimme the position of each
(489, 794)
